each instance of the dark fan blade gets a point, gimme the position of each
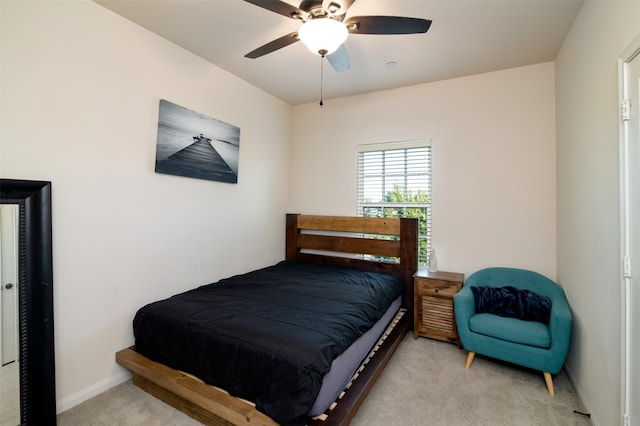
(339, 59)
(337, 7)
(280, 7)
(386, 25)
(274, 45)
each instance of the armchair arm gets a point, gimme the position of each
(464, 308)
(560, 323)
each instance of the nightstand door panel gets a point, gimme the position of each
(437, 315)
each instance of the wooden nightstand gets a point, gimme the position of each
(433, 314)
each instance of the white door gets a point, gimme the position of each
(631, 209)
(8, 281)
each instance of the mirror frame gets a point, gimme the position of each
(35, 299)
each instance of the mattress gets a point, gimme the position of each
(346, 364)
(268, 336)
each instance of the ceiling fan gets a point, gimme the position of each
(325, 29)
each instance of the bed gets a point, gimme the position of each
(294, 340)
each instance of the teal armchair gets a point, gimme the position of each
(532, 344)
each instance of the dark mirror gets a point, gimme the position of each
(35, 299)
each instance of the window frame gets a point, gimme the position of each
(410, 148)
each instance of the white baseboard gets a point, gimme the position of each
(81, 396)
(572, 379)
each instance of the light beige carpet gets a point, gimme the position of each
(425, 383)
(10, 394)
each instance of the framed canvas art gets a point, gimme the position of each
(194, 145)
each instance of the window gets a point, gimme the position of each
(394, 180)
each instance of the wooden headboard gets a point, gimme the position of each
(338, 240)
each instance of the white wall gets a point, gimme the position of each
(80, 91)
(589, 258)
(493, 142)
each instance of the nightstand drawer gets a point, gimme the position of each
(436, 288)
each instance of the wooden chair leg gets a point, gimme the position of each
(549, 381)
(469, 359)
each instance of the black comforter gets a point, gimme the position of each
(268, 336)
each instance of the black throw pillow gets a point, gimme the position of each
(512, 302)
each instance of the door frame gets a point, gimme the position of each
(627, 265)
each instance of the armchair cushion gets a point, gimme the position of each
(532, 333)
(512, 302)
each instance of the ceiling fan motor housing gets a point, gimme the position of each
(313, 8)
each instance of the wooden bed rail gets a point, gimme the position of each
(206, 404)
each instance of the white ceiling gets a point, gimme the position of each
(466, 37)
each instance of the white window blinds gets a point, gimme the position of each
(394, 180)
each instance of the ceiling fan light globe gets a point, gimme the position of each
(323, 35)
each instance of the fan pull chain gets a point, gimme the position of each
(322, 55)
(321, 79)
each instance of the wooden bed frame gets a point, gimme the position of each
(330, 240)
